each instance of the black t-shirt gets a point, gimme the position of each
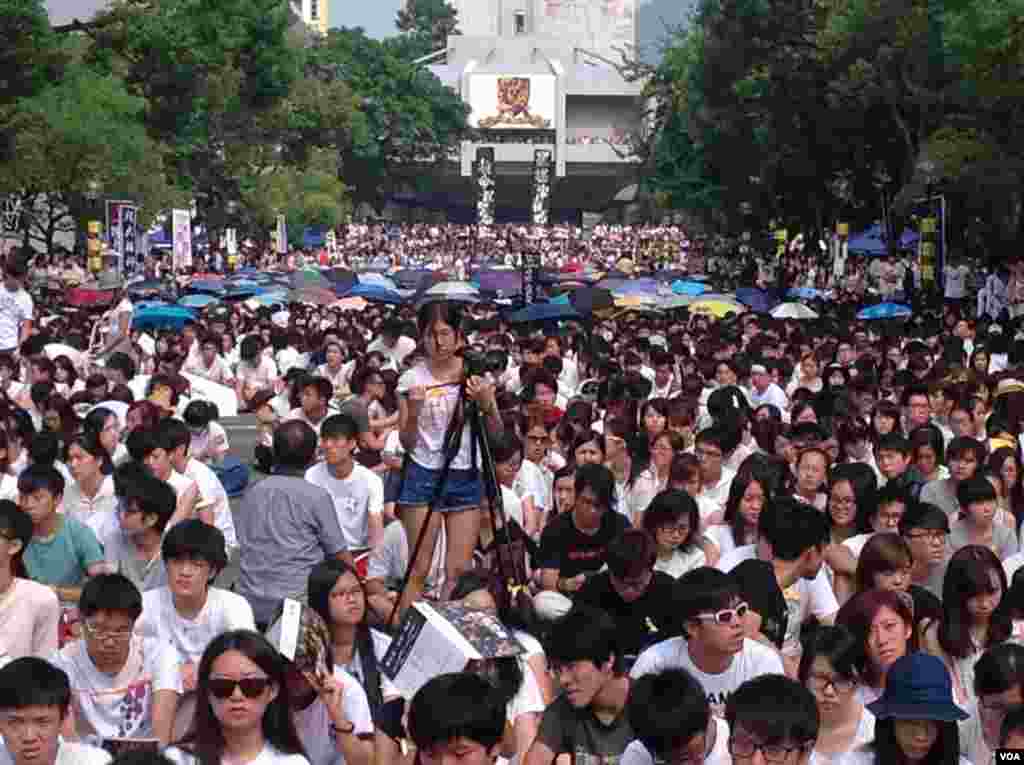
(640, 622)
(568, 550)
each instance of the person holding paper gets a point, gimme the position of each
(35, 700)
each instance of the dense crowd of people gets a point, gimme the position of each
(736, 540)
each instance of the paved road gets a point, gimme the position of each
(242, 434)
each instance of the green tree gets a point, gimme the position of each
(86, 128)
(406, 116)
(427, 24)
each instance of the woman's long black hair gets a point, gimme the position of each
(945, 750)
(321, 581)
(205, 739)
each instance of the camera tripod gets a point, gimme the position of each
(509, 574)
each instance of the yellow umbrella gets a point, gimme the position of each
(350, 304)
(718, 308)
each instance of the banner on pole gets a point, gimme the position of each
(131, 256)
(531, 265)
(181, 232)
(232, 241)
(11, 219)
(282, 235)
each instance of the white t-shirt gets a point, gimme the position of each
(381, 643)
(15, 309)
(679, 562)
(856, 543)
(68, 753)
(29, 620)
(390, 559)
(866, 756)
(807, 596)
(531, 482)
(864, 735)
(753, 660)
(120, 706)
(956, 281)
(435, 417)
(269, 756)
(355, 499)
(160, 620)
(314, 724)
(213, 496)
(638, 754)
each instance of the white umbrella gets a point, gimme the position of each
(53, 350)
(457, 292)
(793, 311)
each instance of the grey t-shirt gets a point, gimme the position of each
(1004, 541)
(942, 495)
(285, 526)
(577, 732)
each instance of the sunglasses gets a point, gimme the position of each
(726, 615)
(252, 687)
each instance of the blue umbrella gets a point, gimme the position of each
(198, 301)
(369, 277)
(374, 293)
(214, 286)
(241, 293)
(271, 298)
(542, 312)
(872, 241)
(680, 287)
(162, 316)
(804, 293)
(756, 300)
(638, 287)
(885, 311)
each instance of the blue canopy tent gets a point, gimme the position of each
(872, 241)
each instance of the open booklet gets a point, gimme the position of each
(436, 638)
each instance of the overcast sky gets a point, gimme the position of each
(377, 17)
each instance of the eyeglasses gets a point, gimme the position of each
(707, 454)
(936, 535)
(98, 633)
(840, 685)
(680, 528)
(726, 615)
(745, 747)
(252, 687)
(697, 750)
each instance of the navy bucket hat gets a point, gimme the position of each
(918, 687)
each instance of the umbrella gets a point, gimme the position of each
(377, 279)
(680, 287)
(676, 301)
(719, 307)
(793, 311)
(756, 300)
(268, 299)
(314, 295)
(412, 278)
(375, 293)
(309, 277)
(53, 350)
(804, 293)
(341, 279)
(198, 301)
(873, 241)
(350, 304)
(215, 286)
(885, 311)
(163, 315)
(144, 287)
(587, 300)
(542, 312)
(458, 292)
(507, 281)
(641, 286)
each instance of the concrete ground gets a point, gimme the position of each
(242, 435)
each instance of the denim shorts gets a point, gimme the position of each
(462, 488)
